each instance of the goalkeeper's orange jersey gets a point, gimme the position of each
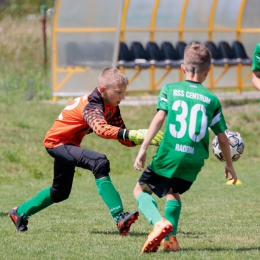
(83, 116)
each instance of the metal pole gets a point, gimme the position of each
(43, 20)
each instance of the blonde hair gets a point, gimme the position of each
(197, 58)
(112, 77)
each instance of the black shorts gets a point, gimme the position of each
(161, 185)
(66, 158)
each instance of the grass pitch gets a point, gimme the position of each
(218, 221)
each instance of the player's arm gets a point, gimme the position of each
(96, 120)
(224, 145)
(154, 128)
(256, 78)
(135, 136)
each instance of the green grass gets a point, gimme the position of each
(218, 221)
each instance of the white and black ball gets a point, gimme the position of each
(236, 144)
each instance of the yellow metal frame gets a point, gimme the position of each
(240, 80)
(70, 71)
(152, 31)
(181, 30)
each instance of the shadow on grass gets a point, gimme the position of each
(192, 234)
(140, 234)
(135, 234)
(220, 249)
(3, 214)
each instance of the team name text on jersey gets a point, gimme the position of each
(184, 148)
(191, 95)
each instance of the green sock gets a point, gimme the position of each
(41, 201)
(110, 196)
(148, 207)
(172, 212)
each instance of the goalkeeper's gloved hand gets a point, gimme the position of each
(137, 136)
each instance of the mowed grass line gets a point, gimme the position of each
(218, 221)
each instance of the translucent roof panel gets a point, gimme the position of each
(250, 20)
(86, 36)
(168, 14)
(139, 14)
(226, 14)
(88, 13)
(82, 49)
(85, 41)
(251, 14)
(198, 14)
(249, 41)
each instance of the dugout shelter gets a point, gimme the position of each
(145, 39)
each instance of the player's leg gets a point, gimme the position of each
(99, 165)
(146, 203)
(148, 183)
(172, 211)
(60, 190)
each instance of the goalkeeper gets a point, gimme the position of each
(97, 112)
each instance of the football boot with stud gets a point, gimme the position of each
(19, 222)
(171, 245)
(125, 220)
(160, 230)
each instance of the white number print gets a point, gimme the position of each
(182, 119)
(70, 107)
(179, 118)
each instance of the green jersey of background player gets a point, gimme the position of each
(190, 109)
(256, 66)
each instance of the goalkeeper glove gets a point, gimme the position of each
(137, 136)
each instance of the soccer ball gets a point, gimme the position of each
(236, 144)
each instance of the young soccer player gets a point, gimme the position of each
(256, 66)
(97, 112)
(190, 109)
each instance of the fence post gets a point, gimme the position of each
(43, 20)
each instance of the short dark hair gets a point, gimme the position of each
(197, 58)
(112, 77)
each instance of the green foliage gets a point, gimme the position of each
(21, 7)
(21, 58)
(22, 51)
(218, 221)
(27, 86)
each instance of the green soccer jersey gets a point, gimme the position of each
(191, 110)
(256, 58)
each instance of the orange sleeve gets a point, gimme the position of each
(106, 129)
(95, 119)
(117, 120)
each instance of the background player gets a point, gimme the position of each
(256, 66)
(191, 109)
(98, 112)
